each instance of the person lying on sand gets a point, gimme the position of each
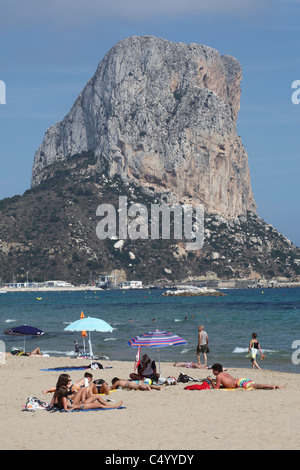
(133, 385)
(82, 401)
(18, 352)
(227, 381)
(190, 365)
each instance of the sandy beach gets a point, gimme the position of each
(170, 419)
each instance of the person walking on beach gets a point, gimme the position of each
(202, 344)
(254, 347)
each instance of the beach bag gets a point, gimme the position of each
(34, 403)
(185, 378)
(252, 353)
(96, 365)
(171, 381)
(15, 351)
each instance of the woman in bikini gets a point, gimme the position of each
(133, 385)
(81, 401)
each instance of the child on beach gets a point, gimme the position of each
(133, 385)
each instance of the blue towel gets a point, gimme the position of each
(62, 369)
(96, 409)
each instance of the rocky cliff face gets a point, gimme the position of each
(50, 233)
(162, 116)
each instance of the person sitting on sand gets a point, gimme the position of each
(86, 381)
(133, 385)
(81, 401)
(146, 369)
(100, 386)
(63, 381)
(227, 381)
(190, 365)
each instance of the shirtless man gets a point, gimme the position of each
(133, 385)
(223, 378)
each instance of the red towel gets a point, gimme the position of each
(203, 386)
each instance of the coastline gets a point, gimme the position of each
(216, 286)
(49, 289)
(172, 418)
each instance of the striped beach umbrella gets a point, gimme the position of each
(156, 339)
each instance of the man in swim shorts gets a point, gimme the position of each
(244, 383)
(227, 381)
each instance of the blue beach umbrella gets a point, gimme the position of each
(24, 330)
(156, 339)
(90, 324)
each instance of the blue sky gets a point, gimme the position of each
(49, 50)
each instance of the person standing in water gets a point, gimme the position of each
(254, 343)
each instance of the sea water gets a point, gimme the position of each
(274, 314)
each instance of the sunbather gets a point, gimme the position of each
(81, 401)
(86, 381)
(18, 352)
(190, 365)
(133, 385)
(227, 381)
(100, 386)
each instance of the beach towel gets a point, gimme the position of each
(93, 366)
(97, 409)
(52, 410)
(204, 386)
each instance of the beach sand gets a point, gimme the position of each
(171, 419)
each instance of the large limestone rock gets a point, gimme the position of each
(163, 116)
